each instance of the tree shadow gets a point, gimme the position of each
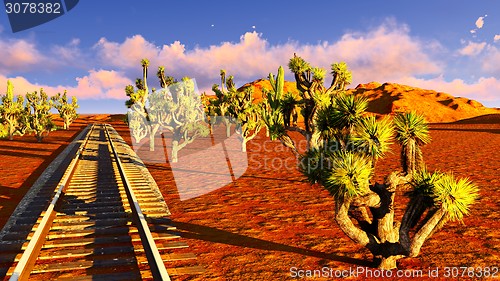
(24, 148)
(210, 234)
(274, 178)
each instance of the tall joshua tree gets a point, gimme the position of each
(11, 110)
(137, 116)
(240, 106)
(412, 132)
(314, 96)
(309, 81)
(182, 115)
(346, 143)
(219, 109)
(248, 117)
(67, 110)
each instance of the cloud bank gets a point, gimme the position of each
(96, 85)
(386, 53)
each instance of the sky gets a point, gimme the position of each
(94, 50)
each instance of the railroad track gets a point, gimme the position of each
(104, 222)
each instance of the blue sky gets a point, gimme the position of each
(95, 50)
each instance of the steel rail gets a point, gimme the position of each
(155, 261)
(28, 259)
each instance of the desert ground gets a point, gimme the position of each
(271, 219)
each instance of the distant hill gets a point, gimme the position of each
(258, 85)
(389, 98)
(438, 107)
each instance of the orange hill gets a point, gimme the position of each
(389, 98)
(438, 107)
(258, 85)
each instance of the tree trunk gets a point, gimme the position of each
(425, 232)
(386, 230)
(12, 129)
(228, 130)
(152, 143)
(244, 145)
(346, 225)
(175, 149)
(389, 263)
(152, 135)
(408, 157)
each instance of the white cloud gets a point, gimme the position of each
(491, 61)
(68, 54)
(383, 53)
(127, 54)
(472, 49)
(24, 56)
(480, 22)
(18, 55)
(97, 84)
(496, 38)
(485, 89)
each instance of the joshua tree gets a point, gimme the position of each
(314, 96)
(219, 109)
(145, 65)
(165, 81)
(66, 110)
(182, 115)
(137, 123)
(345, 145)
(175, 107)
(309, 81)
(411, 132)
(11, 110)
(138, 119)
(341, 76)
(38, 106)
(240, 106)
(210, 112)
(23, 120)
(248, 118)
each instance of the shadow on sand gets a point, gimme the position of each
(210, 234)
